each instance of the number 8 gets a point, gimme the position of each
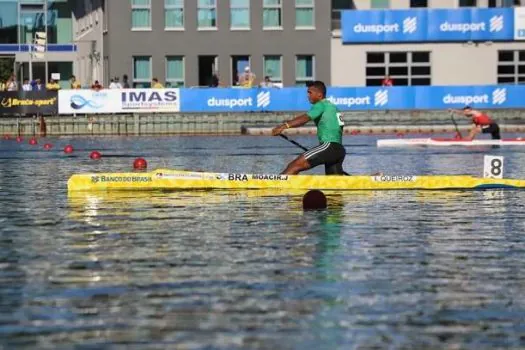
(495, 167)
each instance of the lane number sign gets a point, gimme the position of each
(493, 167)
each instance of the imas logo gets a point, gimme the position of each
(139, 97)
(496, 24)
(499, 97)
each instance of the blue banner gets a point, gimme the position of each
(428, 25)
(223, 100)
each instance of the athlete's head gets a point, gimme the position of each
(316, 91)
(467, 111)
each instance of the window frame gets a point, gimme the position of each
(312, 6)
(171, 81)
(272, 79)
(304, 79)
(141, 7)
(516, 63)
(280, 8)
(409, 64)
(208, 7)
(248, 7)
(175, 7)
(140, 81)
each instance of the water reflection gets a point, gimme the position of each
(250, 269)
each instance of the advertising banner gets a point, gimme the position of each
(432, 25)
(28, 102)
(119, 101)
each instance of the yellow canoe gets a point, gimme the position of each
(164, 179)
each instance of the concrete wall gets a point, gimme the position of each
(122, 43)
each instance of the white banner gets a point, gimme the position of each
(519, 23)
(118, 101)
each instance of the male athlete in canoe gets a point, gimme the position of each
(482, 123)
(327, 118)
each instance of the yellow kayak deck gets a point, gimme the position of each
(164, 179)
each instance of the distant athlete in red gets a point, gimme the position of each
(387, 81)
(482, 123)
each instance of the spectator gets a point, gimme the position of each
(53, 85)
(267, 83)
(387, 81)
(125, 83)
(117, 82)
(2, 86)
(11, 84)
(247, 79)
(113, 84)
(37, 85)
(27, 86)
(155, 84)
(97, 86)
(74, 83)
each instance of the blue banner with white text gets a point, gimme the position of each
(429, 25)
(224, 100)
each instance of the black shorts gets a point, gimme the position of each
(331, 154)
(492, 129)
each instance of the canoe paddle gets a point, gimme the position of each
(302, 147)
(455, 125)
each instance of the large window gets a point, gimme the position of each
(59, 22)
(273, 68)
(32, 20)
(304, 14)
(175, 71)
(8, 22)
(511, 67)
(174, 14)
(207, 14)
(418, 3)
(142, 71)
(405, 68)
(272, 14)
(239, 14)
(141, 14)
(380, 4)
(304, 69)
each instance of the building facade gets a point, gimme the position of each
(183, 42)
(71, 38)
(431, 63)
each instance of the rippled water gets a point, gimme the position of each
(250, 269)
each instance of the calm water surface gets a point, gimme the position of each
(251, 270)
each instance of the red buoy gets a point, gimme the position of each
(95, 155)
(140, 163)
(68, 149)
(33, 141)
(19, 139)
(400, 134)
(6, 137)
(48, 146)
